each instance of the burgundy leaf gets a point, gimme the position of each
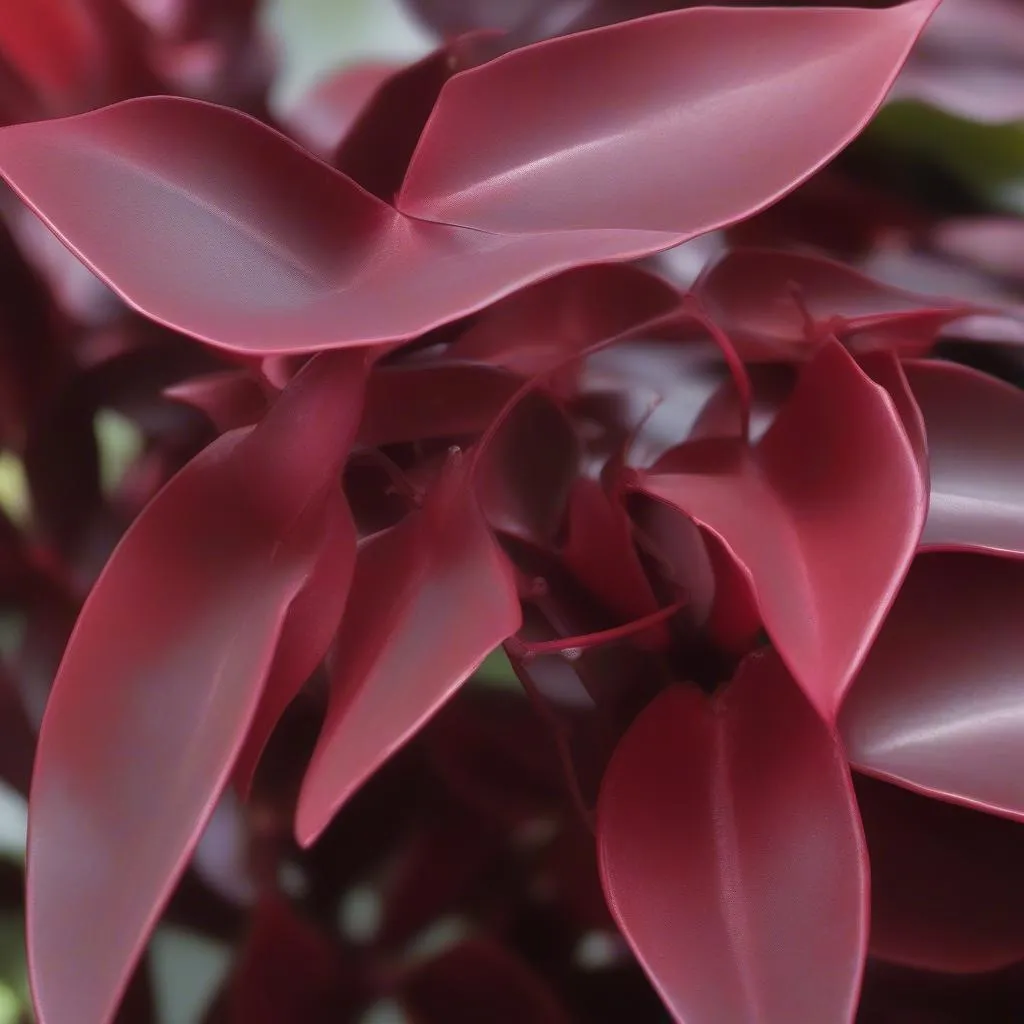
(233, 236)
(974, 424)
(946, 887)
(732, 854)
(689, 87)
(229, 399)
(938, 705)
(160, 680)
(800, 515)
(431, 597)
(777, 305)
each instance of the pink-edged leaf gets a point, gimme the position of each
(938, 705)
(732, 855)
(182, 207)
(431, 597)
(775, 305)
(800, 515)
(974, 425)
(947, 892)
(160, 680)
(230, 399)
(313, 619)
(886, 370)
(693, 94)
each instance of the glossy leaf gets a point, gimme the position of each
(732, 855)
(937, 706)
(800, 515)
(430, 598)
(660, 159)
(974, 424)
(946, 887)
(160, 680)
(216, 247)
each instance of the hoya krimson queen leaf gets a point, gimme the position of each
(938, 705)
(218, 247)
(799, 514)
(431, 597)
(732, 855)
(161, 679)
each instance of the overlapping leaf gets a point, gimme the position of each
(732, 855)
(431, 597)
(800, 515)
(161, 678)
(183, 208)
(938, 705)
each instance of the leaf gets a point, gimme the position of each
(160, 680)
(229, 399)
(937, 706)
(946, 887)
(777, 305)
(732, 856)
(430, 598)
(799, 513)
(974, 424)
(692, 98)
(217, 226)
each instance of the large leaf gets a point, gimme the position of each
(211, 223)
(800, 515)
(430, 598)
(690, 87)
(974, 425)
(161, 678)
(939, 706)
(732, 854)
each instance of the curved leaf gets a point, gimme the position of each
(939, 706)
(947, 892)
(777, 305)
(160, 680)
(229, 399)
(431, 597)
(732, 855)
(695, 92)
(800, 515)
(974, 425)
(214, 224)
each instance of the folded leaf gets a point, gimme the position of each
(431, 597)
(732, 855)
(216, 225)
(800, 515)
(938, 706)
(974, 425)
(160, 680)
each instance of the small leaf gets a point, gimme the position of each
(732, 855)
(431, 597)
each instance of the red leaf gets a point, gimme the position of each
(800, 515)
(947, 892)
(229, 399)
(938, 705)
(776, 305)
(213, 224)
(732, 854)
(431, 598)
(160, 680)
(974, 425)
(692, 94)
